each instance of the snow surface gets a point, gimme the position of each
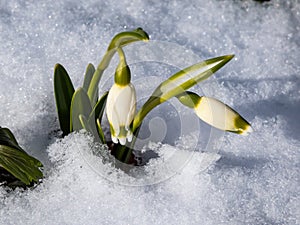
(237, 180)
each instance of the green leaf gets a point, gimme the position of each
(89, 73)
(100, 131)
(20, 164)
(84, 117)
(90, 70)
(80, 105)
(180, 82)
(15, 160)
(7, 138)
(63, 90)
(84, 122)
(98, 109)
(92, 128)
(96, 115)
(120, 40)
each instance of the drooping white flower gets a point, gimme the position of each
(216, 113)
(120, 110)
(221, 116)
(121, 103)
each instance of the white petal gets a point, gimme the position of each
(111, 112)
(122, 140)
(121, 103)
(129, 136)
(114, 139)
(132, 108)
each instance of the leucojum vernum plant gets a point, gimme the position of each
(83, 109)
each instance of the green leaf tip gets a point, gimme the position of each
(89, 74)
(90, 70)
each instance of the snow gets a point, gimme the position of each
(200, 177)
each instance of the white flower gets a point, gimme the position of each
(120, 110)
(221, 116)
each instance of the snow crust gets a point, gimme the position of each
(204, 177)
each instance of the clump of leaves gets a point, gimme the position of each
(16, 166)
(83, 109)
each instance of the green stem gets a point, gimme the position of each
(152, 102)
(98, 74)
(120, 152)
(120, 40)
(129, 152)
(123, 153)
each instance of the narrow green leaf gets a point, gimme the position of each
(92, 128)
(95, 115)
(84, 122)
(180, 82)
(93, 88)
(100, 131)
(89, 73)
(120, 40)
(80, 105)
(131, 146)
(90, 70)
(63, 90)
(99, 108)
(20, 164)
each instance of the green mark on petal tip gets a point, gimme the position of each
(243, 127)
